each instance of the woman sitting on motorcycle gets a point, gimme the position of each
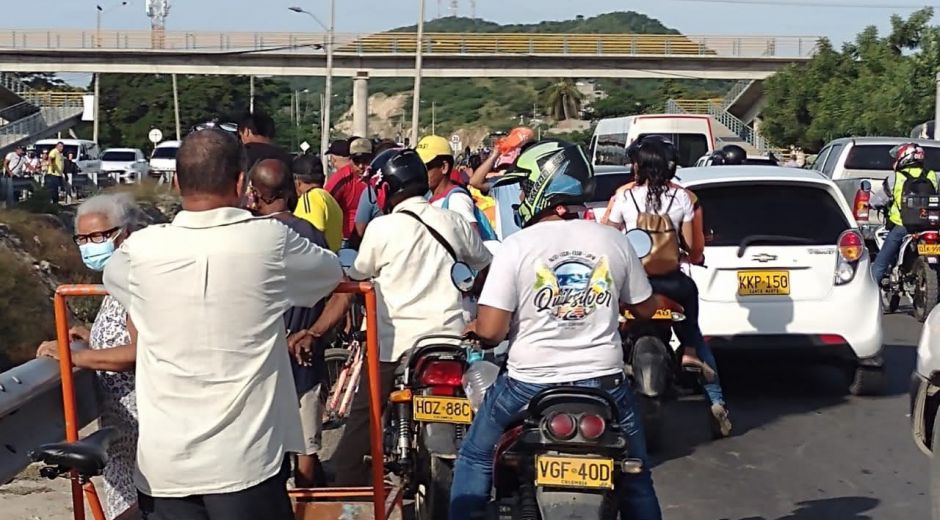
(653, 193)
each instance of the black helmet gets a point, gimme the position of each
(734, 155)
(716, 158)
(402, 171)
(379, 162)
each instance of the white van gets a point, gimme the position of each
(85, 154)
(692, 135)
(163, 160)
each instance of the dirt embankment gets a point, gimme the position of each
(36, 255)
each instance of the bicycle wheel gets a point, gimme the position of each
(336, 359)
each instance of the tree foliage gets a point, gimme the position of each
(876, 85)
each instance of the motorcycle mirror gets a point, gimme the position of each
(866, 185)
(641, 241)
(347, 257)
(462, 276)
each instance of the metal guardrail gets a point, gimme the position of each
(13, 84)
(55, 99)
(735, 91)
(17, 111)
(405, 43)
(714, 109)
(35, 123)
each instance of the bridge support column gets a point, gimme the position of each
(361, 104)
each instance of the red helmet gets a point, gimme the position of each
(906, 155)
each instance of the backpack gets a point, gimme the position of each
(664, 255)
(483, 222)
(920, 204)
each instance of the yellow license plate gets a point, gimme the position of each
(928, 249)
(580, 472)
(763, 283)
(442, 409)
(661, 314)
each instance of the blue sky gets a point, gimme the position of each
(688, 16)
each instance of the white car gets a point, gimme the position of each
(925, 390)
(163, 160)
(124, 165)
(786, 269)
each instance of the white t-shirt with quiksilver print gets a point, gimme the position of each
(564, 282)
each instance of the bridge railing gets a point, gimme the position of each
(406, 43)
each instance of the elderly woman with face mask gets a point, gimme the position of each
(101, 224)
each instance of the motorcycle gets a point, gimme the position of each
(427, 419)
(561, 458)
(914, 273)
(654, 365)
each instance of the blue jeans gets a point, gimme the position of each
(682, 289)
(473, 471)
(889, 252)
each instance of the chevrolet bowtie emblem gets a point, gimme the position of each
(764, 257)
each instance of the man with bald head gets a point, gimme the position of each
(274, 195)
(216, 402)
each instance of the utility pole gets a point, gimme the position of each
(328, 90)
(94, 131)
(416, 103)
(176, 107)
(251, 94)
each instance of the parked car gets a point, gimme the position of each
(124, 165)
(692, 135)
(163, 161)
(851, 160)
(786, 269)
(86, 154)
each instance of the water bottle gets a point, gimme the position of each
(480, 375)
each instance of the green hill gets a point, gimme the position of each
(608, 23)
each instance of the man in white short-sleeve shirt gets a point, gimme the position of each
(215, 395)
(555, 288)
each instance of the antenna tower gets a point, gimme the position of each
(157, 11)
(454, 4)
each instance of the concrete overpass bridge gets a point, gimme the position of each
(392, 54)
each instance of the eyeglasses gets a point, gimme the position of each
(98, 237)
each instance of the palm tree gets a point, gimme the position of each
(563, 99)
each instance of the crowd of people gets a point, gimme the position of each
(50, 168)
(208, 345)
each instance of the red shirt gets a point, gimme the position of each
(346, 187)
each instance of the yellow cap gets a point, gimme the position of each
(432, 146)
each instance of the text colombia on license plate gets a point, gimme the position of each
(763, 283)
(442, 409)
(580, 472)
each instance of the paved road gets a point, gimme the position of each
(804, 449)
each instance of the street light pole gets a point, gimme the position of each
(98, 13)
(416, 104)
(328, 90)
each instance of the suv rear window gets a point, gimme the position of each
(876, 157)
(119, 156)
(606, 185)
(734, 212)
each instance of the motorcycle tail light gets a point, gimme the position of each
(561, 426)
(443, 390)
(441, 373)
(589, 215)
(929, 237)
(592, 426)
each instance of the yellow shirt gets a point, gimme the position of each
(319, 208)
(56, 162)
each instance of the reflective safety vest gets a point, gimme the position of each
(894, 214)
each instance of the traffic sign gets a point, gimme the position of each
(455, 143)
(455, 139)
(155, 136)
(304, 146)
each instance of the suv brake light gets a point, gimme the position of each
(861, 205)
(441, 373)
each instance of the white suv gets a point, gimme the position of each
(786, 269)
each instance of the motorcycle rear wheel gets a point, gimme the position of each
(652, 412)
(926, 289)
(432, 497)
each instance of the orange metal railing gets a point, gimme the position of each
(406, 43)
(384, 499)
